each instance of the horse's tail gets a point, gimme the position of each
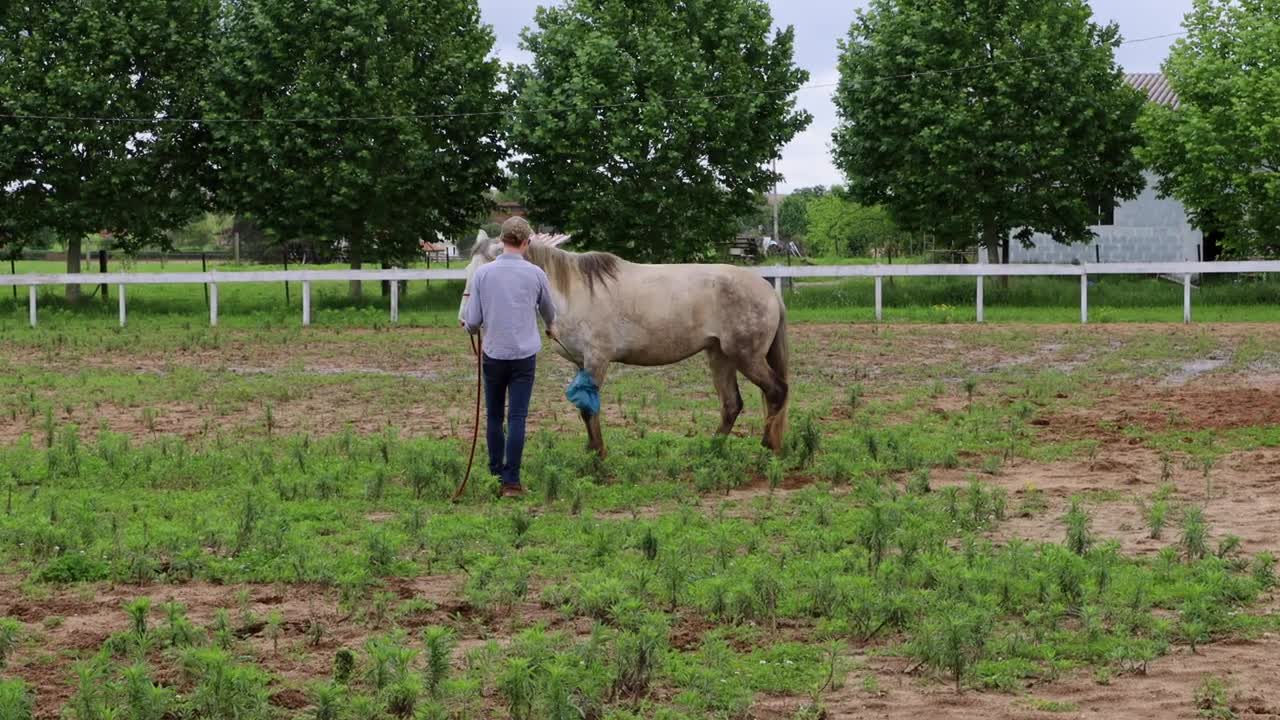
(777, 357)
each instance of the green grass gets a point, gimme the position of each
(1051, 706)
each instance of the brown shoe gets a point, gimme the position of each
(512, 491)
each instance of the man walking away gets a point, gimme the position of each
(506, 296)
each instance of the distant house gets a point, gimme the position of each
(504, 210)
(441, 250)
(507, 209)
(1145, 229)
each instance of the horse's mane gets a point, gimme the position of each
(564, 267)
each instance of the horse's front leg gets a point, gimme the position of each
(595, 436)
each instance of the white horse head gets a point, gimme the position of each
(487, 249)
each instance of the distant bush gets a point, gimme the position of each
(838, 226)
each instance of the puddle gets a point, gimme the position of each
(1191, 370)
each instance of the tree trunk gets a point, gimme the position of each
(73, 266)
(357, 290)
(385, 284)
(993, 251)
(1004, 259)
(992, 242)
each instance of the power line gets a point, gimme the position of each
(564, 108)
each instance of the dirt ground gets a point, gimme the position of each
(1162, 694)
(1220, 383)
(419, 380)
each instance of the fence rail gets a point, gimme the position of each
(775, 273)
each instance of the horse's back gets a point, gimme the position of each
(720, 286)
(693, 307)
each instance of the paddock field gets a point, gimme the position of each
(1062, 521)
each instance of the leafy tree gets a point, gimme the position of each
(1219, 151)
(416, 164)
(201, 233)
(646, 127)
(977, 120)
(840, 226)
(758, 217)
(793, 217)
(136, 173)
(793, 213)
(10, 237)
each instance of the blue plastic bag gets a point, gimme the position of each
(584, 394)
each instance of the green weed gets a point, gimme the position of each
(1195, 534)
(10, 637)
(1079, 523)
(1211, 699)
(15, 700)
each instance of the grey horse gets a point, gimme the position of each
(610, 310)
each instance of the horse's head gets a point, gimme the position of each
(484, 251)
(487, 249)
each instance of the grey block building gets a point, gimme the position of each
(1146, 229)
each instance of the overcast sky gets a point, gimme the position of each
(820, 23)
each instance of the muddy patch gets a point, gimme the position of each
(1189, 371)
(1227, 402)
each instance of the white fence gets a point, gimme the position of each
(775, 273)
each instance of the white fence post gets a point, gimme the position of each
(213, 304)
(395, 301)
(777, 285)
(31, 304)
(306, 303)
(1084, 298)
(120, 293)
(981, 314)
(1186, 298)
(879, 298)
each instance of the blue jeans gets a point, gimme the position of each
(503, 378)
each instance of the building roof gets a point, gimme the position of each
(1156, 86)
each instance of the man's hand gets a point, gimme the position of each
(552, 332)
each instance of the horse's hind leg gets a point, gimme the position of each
(774, 389)
(724, 373)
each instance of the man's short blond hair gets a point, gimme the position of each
(516, 231)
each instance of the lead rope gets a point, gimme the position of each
(477, 345)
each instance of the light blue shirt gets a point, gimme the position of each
(506, 297)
